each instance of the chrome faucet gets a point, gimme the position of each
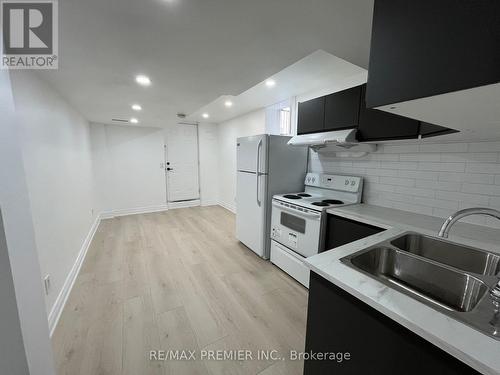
(463, 213)
(495, 291)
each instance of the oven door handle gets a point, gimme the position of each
(316, 216)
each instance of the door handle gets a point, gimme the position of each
(316, 216)
(257, 172)
(170, 169)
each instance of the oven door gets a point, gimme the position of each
(299, 231)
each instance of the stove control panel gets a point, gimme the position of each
(350, 184)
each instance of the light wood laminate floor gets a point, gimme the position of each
(177, 280)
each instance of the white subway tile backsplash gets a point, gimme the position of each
(475, 199)
(484, 147)
(412, 208)
(474, 178)
(420, 157)
(417, 192)
(399, 149)
(383, 172)
(487, 157)
(481, 189)
(438, 203)
(399, 165)
(442, 167)
(438, 185)
(429, 178)
(382, 187)
(397, 181)
(495, 202)
(385, 157)
(490, 168)
(419, 175)
(443, 147)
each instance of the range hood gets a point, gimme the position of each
(341, 141)
(322, 139)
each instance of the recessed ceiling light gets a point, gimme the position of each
(270, 83)
(143, 80)
(205, 115)
(136, 107)
(228, 103)
(133, 120)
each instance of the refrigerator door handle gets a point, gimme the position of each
(259, 147)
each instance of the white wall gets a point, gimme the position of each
(127, 172)
(22, 252)
(58, 164)
(428, 178)
(209, 164)
(252, 123)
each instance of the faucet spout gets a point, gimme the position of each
(445, 229)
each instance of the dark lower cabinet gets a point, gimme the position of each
(337, 323)
(340, 231)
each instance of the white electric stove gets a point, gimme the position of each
(299, 219)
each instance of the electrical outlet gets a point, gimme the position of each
(46, 284)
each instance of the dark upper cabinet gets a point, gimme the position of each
(342, 109)
(311, 116)
(431, 130)
(336, 111)
(347, 109)
(379, 125)
(425, 48)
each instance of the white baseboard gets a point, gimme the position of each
(184, 204)
(57, 308)
(205, 203)
(229, 207)
(133, 211)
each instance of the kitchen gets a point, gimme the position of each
(309, 196)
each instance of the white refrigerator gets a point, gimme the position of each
(266, 165)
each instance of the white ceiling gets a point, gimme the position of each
(195, 51)
(315, 72)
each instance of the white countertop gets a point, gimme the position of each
(470, 346)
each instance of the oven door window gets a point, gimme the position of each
(292, 222)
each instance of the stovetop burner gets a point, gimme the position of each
(291, 196)
(332, 201)
(305, 195)
(320, 204)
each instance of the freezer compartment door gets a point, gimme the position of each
(251, 153)
(251, 211)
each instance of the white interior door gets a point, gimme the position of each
(182, 163)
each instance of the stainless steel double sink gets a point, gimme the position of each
(451, 278)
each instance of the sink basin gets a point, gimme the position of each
(462, 257)
(453, 279)
(450, 289)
